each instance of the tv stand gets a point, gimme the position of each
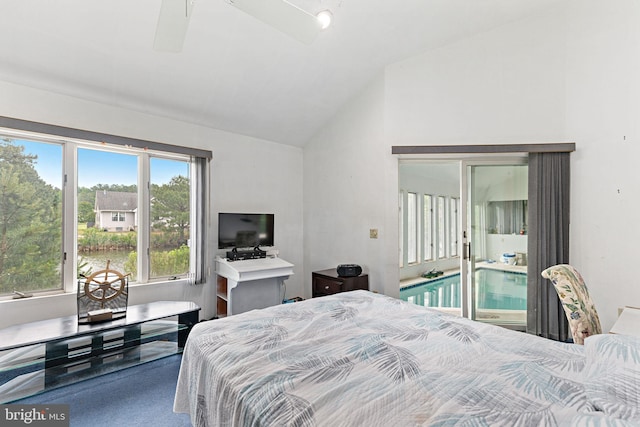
(46, 354)
(249, 284)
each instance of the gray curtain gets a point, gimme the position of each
(198, 233)
(548, 242)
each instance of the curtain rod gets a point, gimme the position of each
(564, 147)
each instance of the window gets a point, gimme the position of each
(30, 216)
(112, 192)
(412, 228)
(442, 219)
(454, 226)
(401, 227)
(134, 208)
(170, 217)
(428, 227)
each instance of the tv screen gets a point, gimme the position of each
(243, 230)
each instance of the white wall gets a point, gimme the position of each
(498, 244)
(603, 118)
(247, 175)
(570, 74)
(350, 187)
(502, 86)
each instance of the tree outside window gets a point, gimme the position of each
(30, 218)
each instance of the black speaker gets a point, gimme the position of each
(349, 270)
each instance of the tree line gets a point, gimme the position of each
(30, 223)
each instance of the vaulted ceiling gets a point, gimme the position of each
(234, 72)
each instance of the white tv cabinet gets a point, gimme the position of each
(249, 284)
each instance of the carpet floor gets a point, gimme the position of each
(137, 396)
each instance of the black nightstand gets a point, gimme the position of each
(327, 282)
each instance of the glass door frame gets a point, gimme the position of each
(467, 258)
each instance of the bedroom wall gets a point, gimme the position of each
(569, 74)
(602, 116)
(350, 187)
(237, 161)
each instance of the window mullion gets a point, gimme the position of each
(144, 218)
(69, 218)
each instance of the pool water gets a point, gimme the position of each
(496, 289)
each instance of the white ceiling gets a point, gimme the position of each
(234, 73)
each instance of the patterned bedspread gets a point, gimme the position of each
(364, 359)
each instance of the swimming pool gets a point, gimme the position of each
(496, 289)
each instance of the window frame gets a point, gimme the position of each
(454, 226)
(441, 227)
(117, 216)
(438, 216)
(401, 223)
(413, 228)
(199, 164)
(427, 234)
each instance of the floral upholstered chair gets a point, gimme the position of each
(578, 306)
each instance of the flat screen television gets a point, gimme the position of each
(243, 230)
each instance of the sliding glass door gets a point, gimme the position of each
(463, 245)
(495, 242)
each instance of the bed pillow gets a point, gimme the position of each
(612, 381)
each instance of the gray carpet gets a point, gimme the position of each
(137, 396)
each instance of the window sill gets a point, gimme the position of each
(37, 295)
(61, 293)
(59, 304)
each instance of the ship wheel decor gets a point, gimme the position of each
(102, 295)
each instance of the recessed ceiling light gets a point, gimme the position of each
(324, 18)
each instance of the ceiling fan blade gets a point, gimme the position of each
(172, 25)
(283, 16)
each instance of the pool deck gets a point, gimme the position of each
(502, 267)
(482, 264)
(502, 317)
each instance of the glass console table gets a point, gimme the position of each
(42, 355)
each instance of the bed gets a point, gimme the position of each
(365, 359)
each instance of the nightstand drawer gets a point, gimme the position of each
(326, 286)
(327, 282)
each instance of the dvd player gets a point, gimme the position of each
(236, 255)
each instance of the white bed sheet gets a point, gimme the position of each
(364, 359)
